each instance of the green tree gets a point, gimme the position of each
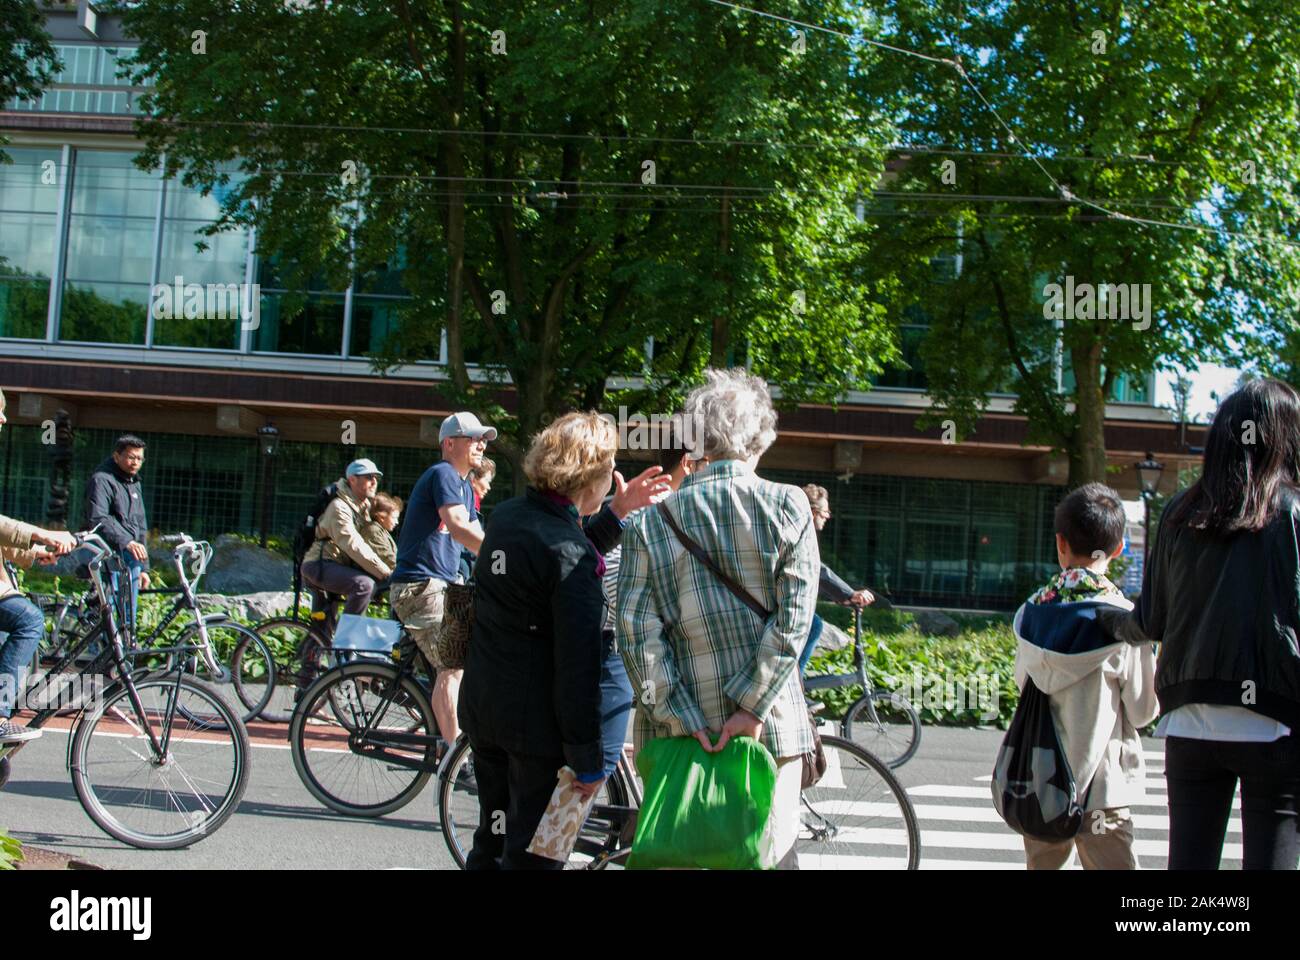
(503, 152)
(27, 57)
(1182, 111)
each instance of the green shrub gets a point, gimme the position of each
(957, 681)
(11, 851)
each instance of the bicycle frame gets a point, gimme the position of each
(113, 653)
(369, 742)
(833, 681)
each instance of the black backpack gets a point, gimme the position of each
(1033, 787)
(306, 534)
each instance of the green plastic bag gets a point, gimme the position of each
(704, 810)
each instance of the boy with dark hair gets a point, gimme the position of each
(1101, 692)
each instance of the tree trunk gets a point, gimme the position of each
(1087, 445)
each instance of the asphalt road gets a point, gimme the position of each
(280, 825)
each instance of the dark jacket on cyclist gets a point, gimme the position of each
(115, 501)
(830, 586)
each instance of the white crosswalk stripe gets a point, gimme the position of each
(988, 844)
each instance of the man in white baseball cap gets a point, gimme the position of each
(440, 519)
(465, 424)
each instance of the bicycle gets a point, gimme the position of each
(302, 650)
(158, 759)
(253, 676)
(882, 722)
(379, 751)
(857, 816)
(363, 736)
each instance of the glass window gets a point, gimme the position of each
(110, 249)
(976, 544)
(218, 270)
(373, 320)
(29, 200)
(85, 65)
(314, 326)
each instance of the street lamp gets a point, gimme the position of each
(1149, 471)
(268, 444)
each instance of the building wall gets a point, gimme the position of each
(203, 485)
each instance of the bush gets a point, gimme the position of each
(11, 851)
(957, 681)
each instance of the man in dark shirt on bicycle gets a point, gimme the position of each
(441, 518)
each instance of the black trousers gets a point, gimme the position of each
(513, 791)
(1202, 776)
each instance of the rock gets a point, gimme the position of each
(935, 623)
(241, 567)
(249, 606)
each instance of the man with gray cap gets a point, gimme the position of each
(440, 519)
(340, 560)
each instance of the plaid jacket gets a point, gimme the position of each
(694, 652)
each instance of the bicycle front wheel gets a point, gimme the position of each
(858, 816)
(460, 813)
(355, 743)
(169, 800)
(885, 724)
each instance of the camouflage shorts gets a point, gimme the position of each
(419, 606)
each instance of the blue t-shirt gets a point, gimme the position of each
(425, 548)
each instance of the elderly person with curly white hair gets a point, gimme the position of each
(704, 660)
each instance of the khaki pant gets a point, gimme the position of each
(419, 606)
(1105, 842)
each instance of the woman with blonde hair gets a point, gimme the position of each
(530, 700)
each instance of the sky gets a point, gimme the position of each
(1209, 377)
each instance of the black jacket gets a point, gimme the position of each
(532, 675)
(115, 500)
(831, 587)
(1227, 612)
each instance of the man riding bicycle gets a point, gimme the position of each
(340, 561)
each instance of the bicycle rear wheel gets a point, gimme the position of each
(300, 656)
(885, 724)
(251, 671)
(460, 812)
(858, 816)
(169, 801)
(357, 773)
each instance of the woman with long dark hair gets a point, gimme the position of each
(1222, 597)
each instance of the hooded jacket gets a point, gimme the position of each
(338, 534)
(1101, 691)
(115, 501)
